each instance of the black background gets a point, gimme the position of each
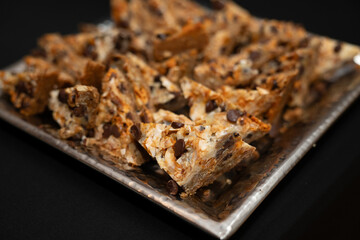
(45, 194)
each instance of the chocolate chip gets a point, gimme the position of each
(114, 130)
(273, 29)
(77, 137)
(217, 4)
(90, 133)
(122, 42)
(304, 43)
(202, 128)
(115, 58)
(157, 78)
(254, 55)
(24, 87)
(233, 115)
(145, 118)
(275, 85)
(155, 10)
(79, 111)
(161, 36)
(135, 132)
(90, 51)
(210, 106)
(177, 125)
(55, 60)
(123, 24)
(106, 130)
(129, 116)
(172, 187)
(179, 148)
(337, 47)
(230, 74)
(63, 96)
(283, 43)
(39, 52)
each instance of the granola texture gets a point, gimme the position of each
(190, 88)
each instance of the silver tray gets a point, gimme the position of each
(221, 208)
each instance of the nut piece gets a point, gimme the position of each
(179, 148)
(233, 115)
(135, 132)
(172, 187)
(177, 125)
(192, 36)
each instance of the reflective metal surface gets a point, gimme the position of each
(221, 208)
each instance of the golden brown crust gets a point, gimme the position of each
(191, 36)
(93, 74)
(167, 117)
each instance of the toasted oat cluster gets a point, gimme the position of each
(189, 87)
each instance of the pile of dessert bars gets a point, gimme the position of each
(170, 81)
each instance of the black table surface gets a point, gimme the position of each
(44, 194)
